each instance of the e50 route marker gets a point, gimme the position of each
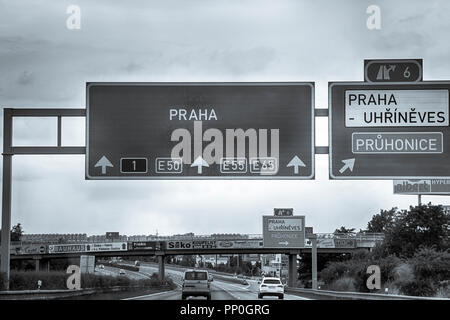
(389, 130)
(200, 130)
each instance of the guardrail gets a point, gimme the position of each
(63, 293)
(357, 295)
(44, 294)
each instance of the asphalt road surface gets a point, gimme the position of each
(112, 271)
(220, 290)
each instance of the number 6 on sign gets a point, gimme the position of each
(407, 74)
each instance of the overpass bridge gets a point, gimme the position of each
(320, 243)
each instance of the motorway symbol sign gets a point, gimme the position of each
(422, 186)
(389, 130)
(283, 211)
(200, 131)
(284, 231)
(395, 70)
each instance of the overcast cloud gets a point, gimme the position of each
(45, 65)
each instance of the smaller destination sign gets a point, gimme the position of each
(284, 231)
(396, 108)
(397, 142)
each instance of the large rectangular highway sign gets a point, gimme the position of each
(200, 131)
(284, 232)
(389, 130)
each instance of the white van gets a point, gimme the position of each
(196, 283)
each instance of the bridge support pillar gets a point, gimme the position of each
(161, 267)
(37, 264)
(46, 265)
(292, 277)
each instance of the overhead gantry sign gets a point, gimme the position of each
(200, 130)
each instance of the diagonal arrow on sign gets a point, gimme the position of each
(199, 163)
(296, 162)
(348, 164)
(103, 162)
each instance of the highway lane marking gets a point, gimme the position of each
(150, 295)
(296, 297)
(233, 285)
(289, 296)
(229, 292)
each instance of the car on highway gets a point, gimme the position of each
(271, 286)
(121, 272)
(101, 266)
(196, 283)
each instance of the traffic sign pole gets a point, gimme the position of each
(6, 216)
(314, 260)
(6, 194)
(9, 150)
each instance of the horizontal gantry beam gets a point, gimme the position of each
(9, 149)
(47, 112)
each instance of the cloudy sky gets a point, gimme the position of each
(43, 64)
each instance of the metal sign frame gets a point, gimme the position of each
(330, 129)
(9, 150)
(221, 177)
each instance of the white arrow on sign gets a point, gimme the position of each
(284, 243)
(199, 163)
(348, 164)
(103, 162)
(296, 162)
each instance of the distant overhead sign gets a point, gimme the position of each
(389, 130)
(200, 130)
(395, 70)
(422, 186)
(284, 232)
(108, 246)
